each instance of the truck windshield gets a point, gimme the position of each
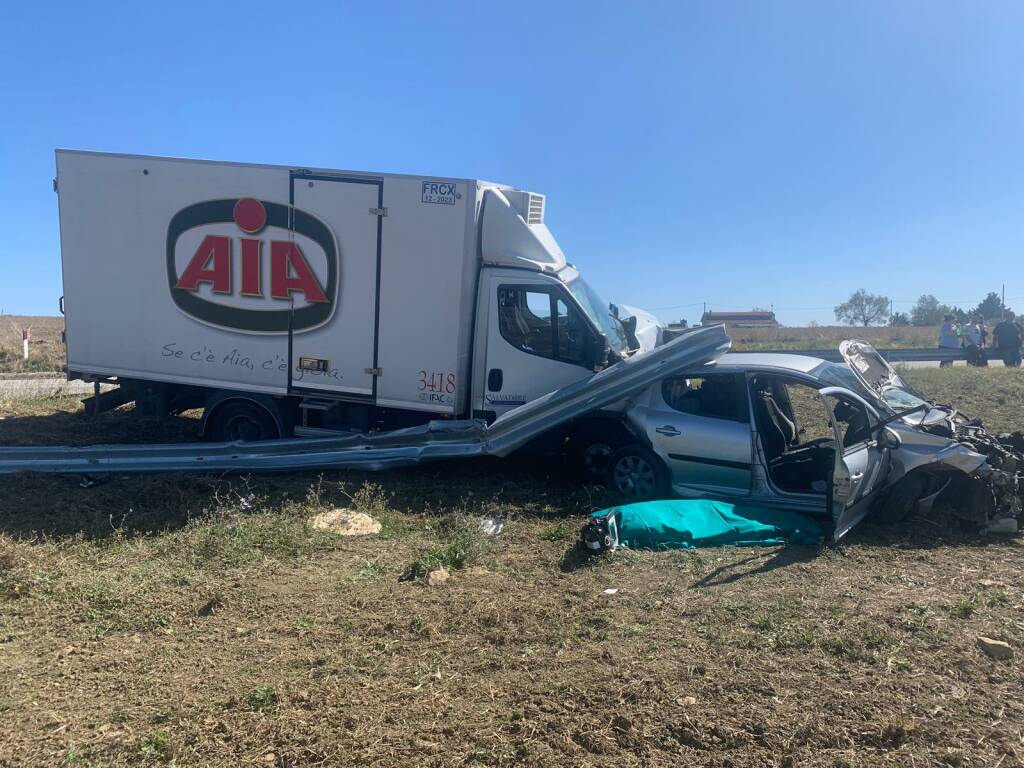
(600, 314)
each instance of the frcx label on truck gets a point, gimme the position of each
(442, 192)
(252, 265)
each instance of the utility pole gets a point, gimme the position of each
(1002, 304)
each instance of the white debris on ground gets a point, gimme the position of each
(345, 522)
(437, 577)
(491, 526)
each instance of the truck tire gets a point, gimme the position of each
(591, 447)
(241, 420)
(637, 474)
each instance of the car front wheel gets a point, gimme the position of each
(635, 473)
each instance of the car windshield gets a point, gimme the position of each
(840, 375)
(900, 400)
(600, 315)
(893, 399)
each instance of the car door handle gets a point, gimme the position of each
(668, 431)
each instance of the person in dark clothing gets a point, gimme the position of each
(1008, 336)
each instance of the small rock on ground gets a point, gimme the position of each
(345, 522)
(997, 649)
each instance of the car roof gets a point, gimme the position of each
(796, 363)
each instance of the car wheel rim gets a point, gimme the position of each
(634, 477)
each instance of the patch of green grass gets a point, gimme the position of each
(155, 746)
(999, 597)
(227, 540)
(557, 532)
(371, 499)
(370, 571)
(862, 643)
(964, 607)
(262, 698)
(781, 625)
(462, 543)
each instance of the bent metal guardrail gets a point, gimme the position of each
(385, 450)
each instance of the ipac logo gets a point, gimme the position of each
(252, 265)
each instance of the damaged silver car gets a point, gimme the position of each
(829, 439)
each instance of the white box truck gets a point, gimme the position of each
(292, 301)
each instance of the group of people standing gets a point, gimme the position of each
(1007, 339)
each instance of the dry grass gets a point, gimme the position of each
(46, 349)
(200, 621)
(828, 337)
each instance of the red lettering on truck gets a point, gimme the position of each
(290, 272)
(233, 286)
(210, 264)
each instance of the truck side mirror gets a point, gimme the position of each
(597, 354)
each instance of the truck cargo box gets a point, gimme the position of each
(270, 279)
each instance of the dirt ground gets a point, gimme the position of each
(201, 621)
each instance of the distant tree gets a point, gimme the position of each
(812, 324)
(990, 307)
(863, 308)
(899, 318)
(928, 311)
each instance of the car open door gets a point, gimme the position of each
(861, 459)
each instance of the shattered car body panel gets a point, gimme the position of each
(385, 450)
(885, 449)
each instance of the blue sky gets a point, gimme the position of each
(740, 153)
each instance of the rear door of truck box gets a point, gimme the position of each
(339, 356)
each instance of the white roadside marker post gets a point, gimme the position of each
(24, 342)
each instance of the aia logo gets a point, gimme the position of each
(246, 264)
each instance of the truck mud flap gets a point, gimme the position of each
(386, 450)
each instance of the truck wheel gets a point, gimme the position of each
(637, 474)
(591, 446)
(241, 420)
(592, 459)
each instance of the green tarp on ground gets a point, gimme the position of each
(690, 523)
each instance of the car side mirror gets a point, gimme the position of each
(629, 326)
(888, 438)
